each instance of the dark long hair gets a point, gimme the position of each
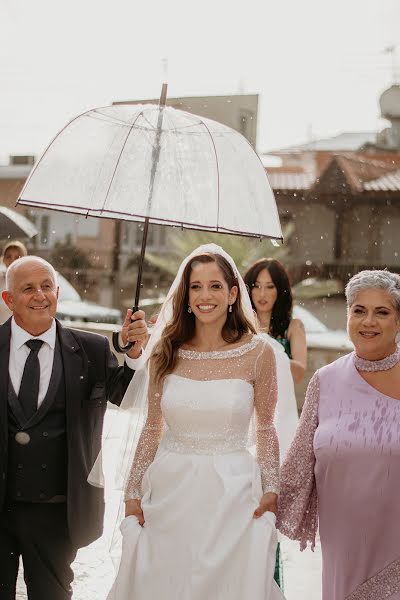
(282, 310)
(182, 326)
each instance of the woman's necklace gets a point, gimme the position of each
(266, 329)
(362, 364)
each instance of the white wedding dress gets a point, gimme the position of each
(199, 484)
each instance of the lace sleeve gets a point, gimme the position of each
(298, 505)
(265, 398)
(148, 442)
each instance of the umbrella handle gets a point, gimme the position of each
(115, 339)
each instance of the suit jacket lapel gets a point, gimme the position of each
(15, 406)
(75, 370)
(5, 334)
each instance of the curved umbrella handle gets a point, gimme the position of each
(115, 339)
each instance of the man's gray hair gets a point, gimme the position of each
(383, 280)
(24, 261)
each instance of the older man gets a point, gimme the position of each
(54, 387)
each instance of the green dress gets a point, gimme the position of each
(278, 575)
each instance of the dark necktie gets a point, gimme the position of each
(29, 389)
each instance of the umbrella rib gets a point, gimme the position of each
(99, 116)
(217, 163)
(119, 159)
(149, 122)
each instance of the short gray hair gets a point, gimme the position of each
(25, 260)
(383, 280)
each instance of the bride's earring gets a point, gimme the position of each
(189, 309)
(230, 308)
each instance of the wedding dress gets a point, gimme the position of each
(199, 484)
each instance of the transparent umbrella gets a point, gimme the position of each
(155, 164)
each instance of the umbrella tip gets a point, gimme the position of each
(163, 96)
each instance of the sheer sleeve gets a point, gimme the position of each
(148, 442)
(265, 399)
(298, 504)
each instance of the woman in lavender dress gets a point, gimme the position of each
(342, 471)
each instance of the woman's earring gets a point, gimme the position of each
(230, 308)
(189, 309)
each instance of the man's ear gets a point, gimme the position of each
(7, 298)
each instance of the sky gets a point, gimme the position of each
(318, 66)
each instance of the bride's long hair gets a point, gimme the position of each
(181, 327)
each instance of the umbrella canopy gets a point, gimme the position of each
(13, 225)
(125, 162)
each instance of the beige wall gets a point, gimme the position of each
(313, 238)
(238, 111)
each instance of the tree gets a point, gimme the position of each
(65, 255)
(244, 251)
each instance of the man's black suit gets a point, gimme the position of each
(90, 377)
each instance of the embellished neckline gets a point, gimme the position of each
(362, 364)
(239, 351)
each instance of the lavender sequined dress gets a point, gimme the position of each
(343, 470)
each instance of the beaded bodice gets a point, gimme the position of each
(206, 406)
(199, 422)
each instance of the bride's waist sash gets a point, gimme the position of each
(191, 442)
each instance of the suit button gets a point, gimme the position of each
(23, 438)
(45, 434)
(20, 466)
(44, 466)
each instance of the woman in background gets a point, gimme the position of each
(271, 297)
(11, 251)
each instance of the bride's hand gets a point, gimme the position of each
(269, 502)
(132, 507)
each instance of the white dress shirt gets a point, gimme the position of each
(19, 352)
(135, 363)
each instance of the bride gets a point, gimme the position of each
(199, 507)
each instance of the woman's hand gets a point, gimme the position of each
(133, 508)
(269, 502)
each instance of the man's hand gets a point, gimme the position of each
(134, 329)
(269, 502)
(132, 507)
